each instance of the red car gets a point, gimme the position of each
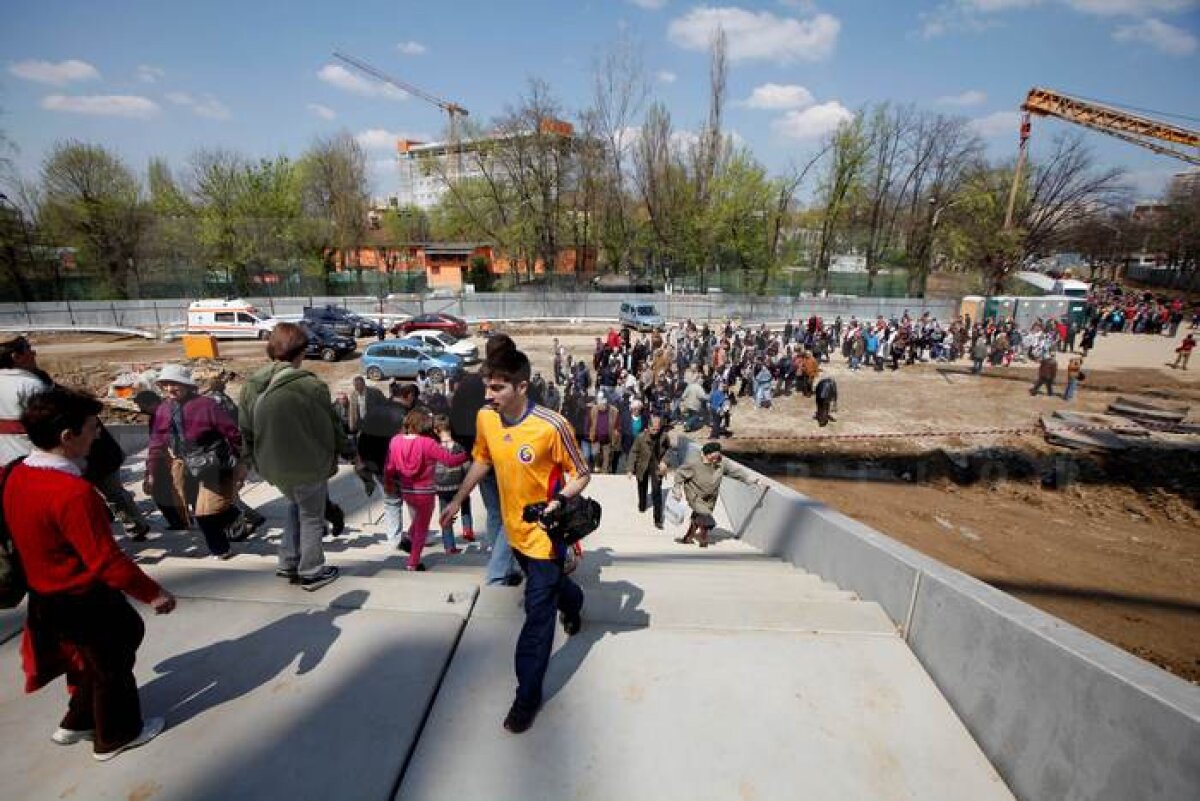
(438, 321)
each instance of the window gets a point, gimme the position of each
(407, 353)
(245, 318)
(624, 308)
(224, 317)
(645, 310)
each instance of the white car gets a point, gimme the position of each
(463, 348)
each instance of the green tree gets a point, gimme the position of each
(335, 199)
(92, 200)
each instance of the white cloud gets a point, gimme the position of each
(150, 74)
(411, 48)
(102, 105)
(1161, 36)
(208, 107)
(381, 139)
(342, 78)
(1131, 8)
(665, 76)
(757, 34)
(779, 96)
(324, 112)
(813, 122)
(652, 5)
(60, 74)
(971, 97)
(1001, 123)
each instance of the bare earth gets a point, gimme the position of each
(1112, 545)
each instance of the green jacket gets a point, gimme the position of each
(702, 482)
(290, 432)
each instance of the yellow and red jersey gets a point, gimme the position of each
(532, 458)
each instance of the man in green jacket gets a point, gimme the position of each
(647, 463)
(292, 436)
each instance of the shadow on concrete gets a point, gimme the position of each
(567, 659)
(193, 682)
(1091, 594)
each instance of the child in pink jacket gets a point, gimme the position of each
(410, 465)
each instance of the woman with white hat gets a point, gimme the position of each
(185, 423)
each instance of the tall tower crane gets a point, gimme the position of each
(453, 110)
(1136, 128)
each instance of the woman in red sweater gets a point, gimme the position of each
(78, 619)
(410, 467)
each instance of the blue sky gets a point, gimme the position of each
(159, 78)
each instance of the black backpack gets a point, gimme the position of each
(13, 586)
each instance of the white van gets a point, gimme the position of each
(228, 319)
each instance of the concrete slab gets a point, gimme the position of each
(625, 604)
(11, 622)
(263, 700)
(668, 714)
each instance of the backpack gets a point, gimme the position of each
(13, 585)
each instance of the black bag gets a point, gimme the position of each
(573, 520)
(13, 585)
(207, 462)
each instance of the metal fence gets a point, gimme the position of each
(156, 315)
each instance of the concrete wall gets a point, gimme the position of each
(1060, 713)
(156, 314)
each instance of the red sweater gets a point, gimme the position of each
(61, 530)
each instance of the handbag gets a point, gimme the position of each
(674, 505)
(207, 462)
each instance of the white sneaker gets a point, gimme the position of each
(151, 728)
(71, 736)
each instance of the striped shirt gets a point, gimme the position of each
(532, 458)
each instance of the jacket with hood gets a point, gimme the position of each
(411, 461)
(291, 434)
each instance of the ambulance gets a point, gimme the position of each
(228, 319)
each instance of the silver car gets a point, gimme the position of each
(641, 316)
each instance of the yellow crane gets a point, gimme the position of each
(453, 110)
(1161, 137)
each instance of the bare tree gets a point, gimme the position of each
(848, 147)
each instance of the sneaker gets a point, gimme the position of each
(454, 551)
(290, 574)
(71, 736)
(139, 531)
(326, 575)
(571, 625)
(405, 544)
(151, 728)
(223, 556)
(519, 718)
(468, 534)
(418, 568)
(514, 579)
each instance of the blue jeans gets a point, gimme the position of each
(464, 511)
(502, 564)
(547, 590)
(393, 518)
(1069, 393)
(300, 544)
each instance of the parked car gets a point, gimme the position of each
(343, 321)
(641, 316)
(404, 359)
(439, 321)
(325, 343)
(465, 349)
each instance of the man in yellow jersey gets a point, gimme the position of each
(536, 459)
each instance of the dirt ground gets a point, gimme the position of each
(1111, 544)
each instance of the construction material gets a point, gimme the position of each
(200, 346)
(1154, 411)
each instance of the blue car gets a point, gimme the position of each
(401, 358)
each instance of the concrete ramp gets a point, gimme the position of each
(717, 673)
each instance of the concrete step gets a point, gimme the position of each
(631, 606)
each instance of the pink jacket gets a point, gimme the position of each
(411, 460)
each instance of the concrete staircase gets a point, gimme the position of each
(715, 673)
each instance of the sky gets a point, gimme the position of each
(148, 79)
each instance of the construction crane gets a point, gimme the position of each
(453, 110)
(1140, 130)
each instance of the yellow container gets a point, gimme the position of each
(200, 346)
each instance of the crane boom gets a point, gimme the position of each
(453, 110)
(1135, 128)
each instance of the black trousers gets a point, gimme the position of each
(107, 632)
(652, 482)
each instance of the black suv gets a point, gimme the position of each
(325, 343)
(343, 321)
